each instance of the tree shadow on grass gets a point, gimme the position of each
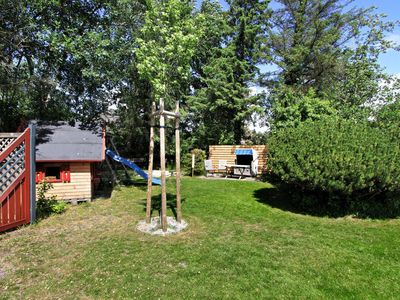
(141, 184)
(284, 198)
(138, 183)
(287, 198)
(103, 191)
(276, 197)
(156, 203)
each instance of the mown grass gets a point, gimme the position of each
(236, 247)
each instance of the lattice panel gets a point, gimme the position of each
(11, 167)
(4, 142)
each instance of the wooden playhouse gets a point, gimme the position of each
(66, 156)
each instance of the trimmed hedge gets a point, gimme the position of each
(339, 165)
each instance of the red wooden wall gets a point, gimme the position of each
(15, 180)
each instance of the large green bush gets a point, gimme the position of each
(339, 165)
(290, 107)
(388, 118)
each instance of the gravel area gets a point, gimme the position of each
(154, 227)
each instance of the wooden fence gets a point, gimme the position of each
(227, 152)
(17, 184)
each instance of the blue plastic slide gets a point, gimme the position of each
(131, 165)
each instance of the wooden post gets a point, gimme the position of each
(27, 186)
(113, 173)
(150, 169)
(116, 151)
(162, 161)
(193, 163)
(178, 164)
(33, 172)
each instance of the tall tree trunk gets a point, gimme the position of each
(238, 131)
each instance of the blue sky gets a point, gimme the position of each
(391, 8)
(391, 60)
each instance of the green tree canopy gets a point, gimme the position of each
(222, 103)
(59, 60)
(167, 44)
(329, 46)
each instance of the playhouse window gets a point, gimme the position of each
(53, 173)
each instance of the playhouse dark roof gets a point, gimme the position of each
(60, 141)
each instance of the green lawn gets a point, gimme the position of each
(236, 246)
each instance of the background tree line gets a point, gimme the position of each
(78, 60)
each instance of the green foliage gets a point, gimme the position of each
(199, 157)
(81, 59)
(59, 59)
(255, 138)
(291, 107)
(45, 205)
(222, 102)
(164, 46)
(339, 164)
(388, 118)
(167, 44)
(330, 47)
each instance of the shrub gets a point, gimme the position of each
(290, 107)
(388, 118)
(339, 165)
(200, 156)
(46, 206)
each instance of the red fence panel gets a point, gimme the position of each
(15, 180)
